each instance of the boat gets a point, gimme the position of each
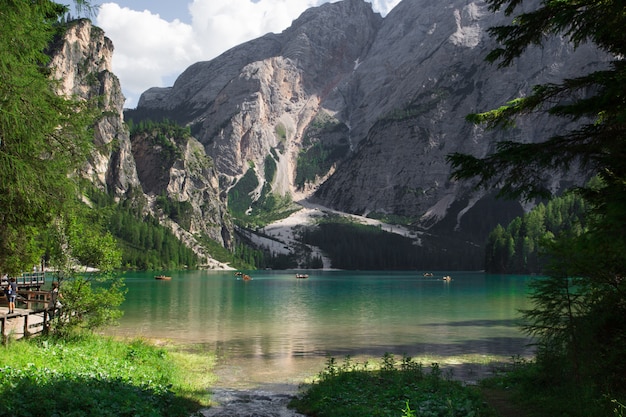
(246, 277)
(302, 276)
(447, 278)
(162, 277)
(428, 274)
(238, 273)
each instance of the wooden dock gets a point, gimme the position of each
(28, 280)
(28, 321)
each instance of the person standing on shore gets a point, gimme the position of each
(55, 295)
(11, 292)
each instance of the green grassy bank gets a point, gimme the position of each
(405, 388)
(91, 375)
(391, 388)
(98, 376)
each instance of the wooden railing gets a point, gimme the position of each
(25, 324)
(27, 280)
(34, 297)
(31, 279)
(29, 321)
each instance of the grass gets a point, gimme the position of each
(543, 394)
(392, 388)
(91, 375)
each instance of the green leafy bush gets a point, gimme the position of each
(354, 390)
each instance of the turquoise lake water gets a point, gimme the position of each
(279, 328)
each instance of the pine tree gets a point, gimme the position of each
(43, 136)
(577, 306)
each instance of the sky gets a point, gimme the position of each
(156, 40)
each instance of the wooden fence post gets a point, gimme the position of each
(26, 325)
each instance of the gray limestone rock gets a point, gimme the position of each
(397, 89)
(81, 61)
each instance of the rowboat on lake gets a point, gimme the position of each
(302, 276)
(163, 277)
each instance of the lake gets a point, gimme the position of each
(276, 328)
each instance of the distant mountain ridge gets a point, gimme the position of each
(356, 112)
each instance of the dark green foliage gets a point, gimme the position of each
(422, 104)
(147, 245)
(250, 256)
(317, 160)
(247, 253)
(79, 395)
(351, 245)
(270, 168)
(356, 246)
(244, 257)
(550, 394)
(574, 316)
(270, 207)
(595, 100)
(239, 196)
(324, 125)
(325, 143)
(179, 211)
(353, 390)
(518, 247)
(165, 134)
(253, 258)
(43, 137)
(91, 299)
(263, 210)
(165, 126)
(391, 218)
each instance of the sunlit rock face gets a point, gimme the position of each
(396, 89)
(81, 62)
(260, 97)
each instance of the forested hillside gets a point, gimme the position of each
(356, 246)
(145, 244)
(517, 248)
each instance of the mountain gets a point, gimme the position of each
(149, 168)
(355, 113)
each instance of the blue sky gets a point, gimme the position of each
(156, 40)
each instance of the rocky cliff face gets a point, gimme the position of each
(424, 73)
(262, 95)
(81, 61)
(391, 94)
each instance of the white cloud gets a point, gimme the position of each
(152, 52)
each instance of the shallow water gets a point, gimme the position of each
(279, 329)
